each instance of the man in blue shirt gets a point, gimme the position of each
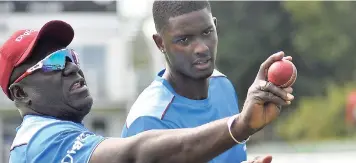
(43, 78)
(189, 92)
(50, 94)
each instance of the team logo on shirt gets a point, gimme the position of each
(78, 144)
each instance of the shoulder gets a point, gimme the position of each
(43, 138)
(18, 154)
(62, 140)
(220, 79)
(30, 126)
(220, 85)
(217, 73)
(152, 102)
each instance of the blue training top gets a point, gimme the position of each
(41, 139)
(160, 107)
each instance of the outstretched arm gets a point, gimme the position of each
(201, 144)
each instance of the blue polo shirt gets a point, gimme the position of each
(41, 139)
(160, 107)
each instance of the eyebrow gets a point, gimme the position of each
(210, 26)
(180, 34)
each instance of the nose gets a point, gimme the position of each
(201, 48)
(70, 68)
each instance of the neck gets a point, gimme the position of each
(195, 89)
(28, 111)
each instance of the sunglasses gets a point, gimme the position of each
(56, 61)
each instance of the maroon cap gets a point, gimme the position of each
(20, 45)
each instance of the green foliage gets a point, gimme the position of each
(325, 37)
(320, 37)
(248, 33)
(319, 117)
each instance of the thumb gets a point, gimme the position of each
(266, 159)
(261, 75)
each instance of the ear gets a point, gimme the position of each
(215, 21)
(18, 94)
(157, 38)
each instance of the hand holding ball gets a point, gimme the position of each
(282, 73)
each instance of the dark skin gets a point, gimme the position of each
(185, 41)
(203, 143)
(199, 144)
(48, 93)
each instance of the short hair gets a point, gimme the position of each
(163, 10)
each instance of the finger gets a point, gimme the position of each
(270, 87)
(289, 58)
(261, 75)
(267, 159)
(270, 97)
(288, 90)
(267, 96)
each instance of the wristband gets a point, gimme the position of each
(229, 124)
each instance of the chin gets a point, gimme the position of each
(83, 104)
(83, 107)
(204, 74)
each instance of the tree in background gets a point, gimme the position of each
(319, 117)
(318, 35)
(248, 33)
(324, 38)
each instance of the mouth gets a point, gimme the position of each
(202, 63)
(80, 83)
(202, 60)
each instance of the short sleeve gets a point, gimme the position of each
(63, 143)
(18, 154)
(143, 123)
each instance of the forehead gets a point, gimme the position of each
(192, 22)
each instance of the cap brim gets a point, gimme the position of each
(57, 30)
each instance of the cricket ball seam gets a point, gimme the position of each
(291, 79)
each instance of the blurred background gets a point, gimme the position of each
(120, 59)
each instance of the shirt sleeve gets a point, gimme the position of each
(17, 154)
(62, 143)
(142, 124)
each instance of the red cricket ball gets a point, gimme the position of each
(282, 73)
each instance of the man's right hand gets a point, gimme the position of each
(202, 143)
(264, 100)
